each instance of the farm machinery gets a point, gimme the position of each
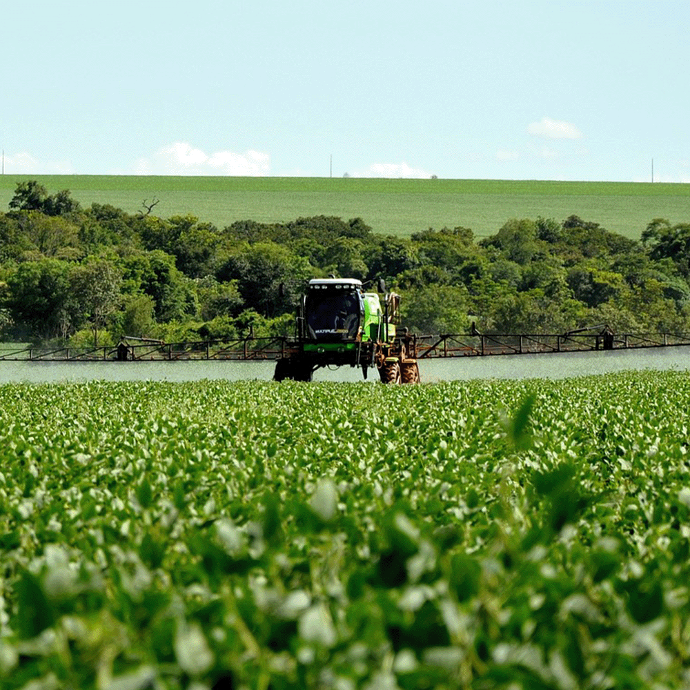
(338, 323)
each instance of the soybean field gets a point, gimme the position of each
(469, 534)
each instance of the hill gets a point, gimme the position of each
(399, 207)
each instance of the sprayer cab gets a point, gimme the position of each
(334, 310)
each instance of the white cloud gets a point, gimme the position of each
(393, 170)
(554, 129)
(24, 163)
(181, 158)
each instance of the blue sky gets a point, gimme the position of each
(536, 89)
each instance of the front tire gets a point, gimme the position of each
(410, 373)
(390, 373)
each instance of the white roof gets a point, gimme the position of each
(343, 283)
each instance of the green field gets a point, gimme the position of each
(216, 535)
(388, 206)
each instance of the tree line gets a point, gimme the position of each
(90, 275)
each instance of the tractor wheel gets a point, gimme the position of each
(390, 372)
(410, 372)
(303, 372)
(283, 370)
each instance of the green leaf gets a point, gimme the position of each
(465, 576)
(645, 599)
(152, 551)
(34, 612)
(574, 655)
(272, 527)
(29, 483)
(145, 494)
(179, 495)
(556, 480)
(10, 540)
(519, 428)
(603, 564)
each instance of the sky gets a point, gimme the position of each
(522, 89)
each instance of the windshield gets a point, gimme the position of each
(333, 315)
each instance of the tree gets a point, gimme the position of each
(517, 241)
(594, 286)
(29, 196)
(506, 273)
(270, 277)
(158, 233)
(32, 196)
(344, 257)
(664, 240)
(390, 256)
(534, 312)
(436, 309)
(96, 288)
(40, 300)
(548, 230)
(49, 234)
(218, 299)
(547, 275)
(13, 242)
(591, 240)
(326, 228)
(60, 204)
(171, 291)
(357, 228)
(154, 274)
(112, 224)
(196, 249)
(421, 277)
(137, 316)
(453, 251)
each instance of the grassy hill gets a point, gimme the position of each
(389, 206)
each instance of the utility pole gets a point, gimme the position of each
(652, 171)
(331, 165)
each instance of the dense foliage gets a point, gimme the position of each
(525, 534)
(85, 274)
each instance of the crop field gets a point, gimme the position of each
(254, 535)
(398, 207)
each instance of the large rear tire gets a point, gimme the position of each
(283, 370)
(410, 372)
(303, 372)
(390, 373)
(293, 369)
